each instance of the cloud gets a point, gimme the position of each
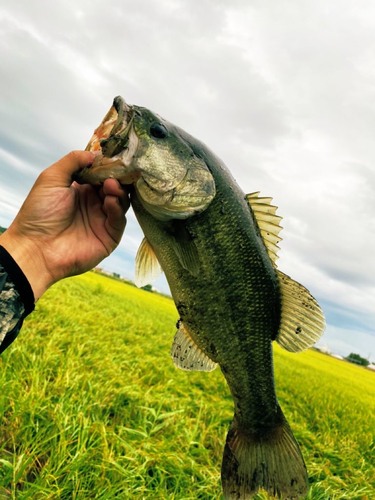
(282, 91)
(344, 341)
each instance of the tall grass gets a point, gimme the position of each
(92, 406)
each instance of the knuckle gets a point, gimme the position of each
(42, 176)
(73, 155)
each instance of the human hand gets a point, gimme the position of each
(63, 228)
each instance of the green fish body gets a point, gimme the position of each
(217, 248)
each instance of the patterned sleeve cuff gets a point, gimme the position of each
(16, 299)
(19, 280)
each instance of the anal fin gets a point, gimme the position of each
(187, 355)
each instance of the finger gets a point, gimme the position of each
(113, 188)
(101, 193)
(116, 221)
(60, 173)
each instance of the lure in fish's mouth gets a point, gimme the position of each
(117, 143)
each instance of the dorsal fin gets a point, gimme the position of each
(187, 355)
(147, 267)
(268, 222)
(302, 320)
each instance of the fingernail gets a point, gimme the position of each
(94, 155)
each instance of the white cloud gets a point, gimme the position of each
(14, 162)
(344, 341)
(282, 91)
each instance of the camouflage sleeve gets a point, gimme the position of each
(16, 299)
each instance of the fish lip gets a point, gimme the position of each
(124, 112)
(113, 126)
(115, 143)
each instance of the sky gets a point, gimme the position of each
(283, 91)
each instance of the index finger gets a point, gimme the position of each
(60, 173)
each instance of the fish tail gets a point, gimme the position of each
(271, 461)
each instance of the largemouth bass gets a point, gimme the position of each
(217, 247)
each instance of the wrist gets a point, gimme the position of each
(30, 260)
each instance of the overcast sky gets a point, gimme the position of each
(283, 91)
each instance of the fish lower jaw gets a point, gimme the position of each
(118, 166)
(114, 122)
(103, 131)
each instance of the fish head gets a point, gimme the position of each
(138, 147)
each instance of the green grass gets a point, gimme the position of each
(93, 407)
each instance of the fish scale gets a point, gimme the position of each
(217, 247)
(244, 318)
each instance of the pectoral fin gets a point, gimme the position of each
(185, 248)
(147, 267)
(302, 320)
(187, 355)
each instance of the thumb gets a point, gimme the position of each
(60, 173)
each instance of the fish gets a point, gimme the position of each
(218, 249)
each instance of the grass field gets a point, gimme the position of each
(93, 407)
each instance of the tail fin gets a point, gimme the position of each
(272, 462)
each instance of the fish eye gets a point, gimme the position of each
(158, 130)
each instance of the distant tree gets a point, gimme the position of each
(357, 359)
(148, 288)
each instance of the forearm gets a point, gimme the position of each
(61, 230)
(30, 260)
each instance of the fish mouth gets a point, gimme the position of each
(115, 143)
(111, 128)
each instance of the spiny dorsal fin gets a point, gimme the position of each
(187, 355)
(147, 267)
(268, 222)
(302, 320)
